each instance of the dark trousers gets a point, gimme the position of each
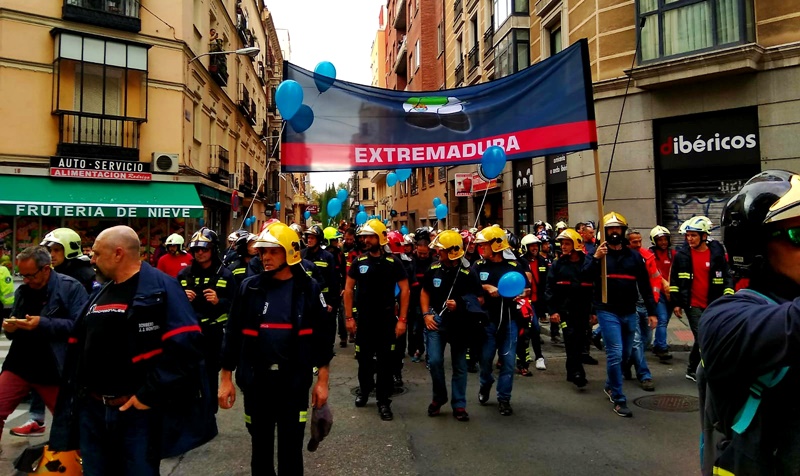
(211, 353)
(376, 356)
(574, 327)
(114, 442)
(693, 315)
(416, 332)
(271, 403)
(339, 310)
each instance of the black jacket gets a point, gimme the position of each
(744, 336)
(680, 281)
(79, 269)
(626, 278)
(568, 290)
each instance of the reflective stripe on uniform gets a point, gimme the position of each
(306, 332)
(717, 471)
(357, 348)
(727, 291)
(674, 289)
(184, 283)
(303, 417)
(250, 332)
(222, 318)
(221, 283)
(563, 325)
(239, 271)
(622, 276)
(717, 281)
(270, 325)
(684, 275)
(321, 264)
(247, 418)
(393, 346)
(325, 290)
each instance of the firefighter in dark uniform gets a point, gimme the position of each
(397, 245)
(275, 337)
(67, 257)
(210, 287)
(422, 261)
(569, 298)
(332, 236)
(750, 340)
(245, 253)
(326, 264)
(529, 247)
(352, 248)
(376, 273)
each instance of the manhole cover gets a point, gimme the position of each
(396, 392)
(669, 403)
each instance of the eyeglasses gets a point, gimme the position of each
(31, 276)
(454, 248)
(792, 235)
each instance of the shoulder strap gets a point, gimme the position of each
(746, 414)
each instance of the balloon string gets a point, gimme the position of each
(478, 215)
(264, 177)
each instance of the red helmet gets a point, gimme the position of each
(395, 241)
(468, 237)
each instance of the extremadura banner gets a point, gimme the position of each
(544, 109)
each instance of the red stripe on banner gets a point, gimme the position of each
(336, 157)
(622, 276)
(306, 332)
(180, 330)
(250, 332)
(147, 355)
(270, 325)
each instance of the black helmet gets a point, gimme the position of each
(769, 197)
(240, 245)
(513, 241)
(204, 238)
(421, 234)
(315, 230)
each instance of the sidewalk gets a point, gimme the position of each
(679, 336)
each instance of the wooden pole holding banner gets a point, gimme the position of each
(600, 229)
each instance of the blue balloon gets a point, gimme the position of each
(342, 195)
(386, 222)
(334, 206)
(511, 284)
(391, 179)
(303, 119)
(493, 161)
(396, 289)
(277, 206)
(361, 218)
(441, 211)
(404, 230)
(248, 221)
(307, 214)
(403, 174)
(436, 202)
(361, 208)
(324, 75)
(289, 98)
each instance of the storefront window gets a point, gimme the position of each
(28, 233)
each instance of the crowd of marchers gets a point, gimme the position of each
(134, 361)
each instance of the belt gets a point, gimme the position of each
(110, 401)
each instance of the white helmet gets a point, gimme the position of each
(699, 224)
(657, 232)
(527, 240)
(233, 237)
(175, 239)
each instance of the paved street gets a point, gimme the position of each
(555, 430)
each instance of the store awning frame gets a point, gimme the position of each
(46, 197)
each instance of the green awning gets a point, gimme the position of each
(43, 196)
(211, 193)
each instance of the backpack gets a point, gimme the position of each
(719, 447)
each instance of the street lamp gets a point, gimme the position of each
(251, 51)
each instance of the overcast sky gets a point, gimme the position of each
(341, 32)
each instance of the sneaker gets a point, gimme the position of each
(361, 400)
(416, 358)
(472, 368)
(31, 428)
(597, 340)
(504, 408)
(342, 343)
(690, 375)
(525, 372)
(663, 355)
(579, 380)
(622, 410)
(587, 359)
(460, 414)
(608, 393)
(435, 408)
(540, 365)
(648, 385)
(386, 412)
(483, 394)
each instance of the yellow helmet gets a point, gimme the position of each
(278, 235)
(571, 234)
(451, 242)
(494, 235)
(375, 227)
(331, 233)
(614, 219)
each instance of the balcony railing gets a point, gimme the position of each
(218, 64)
(471, 4)
(219, 168)
(460, 73)
(400, 15)
(245, 179)
(458, 9)
(253, 112)
(488, 40)
(98, 136)
(401, 63)
(473, 57)
(262, 73)
(244, 100)
(116, 14)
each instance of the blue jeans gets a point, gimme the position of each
(618, 333)
(640, 339)
(663, 314)
(503, 343)
(458, 354)
(114, 442)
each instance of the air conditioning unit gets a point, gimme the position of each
(164, 163)
(233, 181)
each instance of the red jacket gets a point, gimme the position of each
(652, 271)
